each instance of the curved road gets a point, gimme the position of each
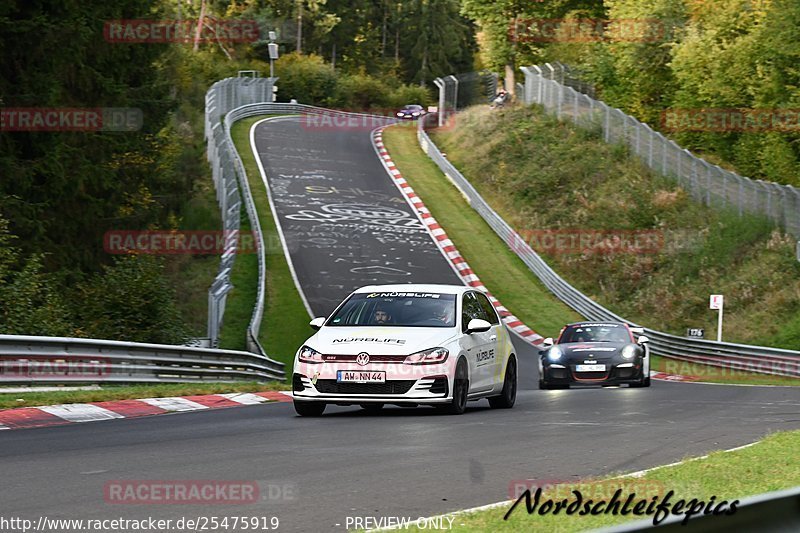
(402, 462)
(344, 222)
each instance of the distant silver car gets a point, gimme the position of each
(411, 112)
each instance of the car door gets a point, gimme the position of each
(497, 340)
(478, 346)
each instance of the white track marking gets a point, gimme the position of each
(80, 412)
(245, 398)
(174, 404)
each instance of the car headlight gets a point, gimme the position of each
(630, 351)
(415, 113)
(400, 114)
(309, 355)
(427, 357)
(555, 353)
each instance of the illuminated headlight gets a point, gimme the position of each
(309, 355)
(630, 351)
(415, 113)
(427, 357)
(400, 114)
(555, 353)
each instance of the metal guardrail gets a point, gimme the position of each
(29, 360)
(738, 357)
(546, 85)
(769, 513)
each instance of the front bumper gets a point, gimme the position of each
(430, 389)
(617, 373)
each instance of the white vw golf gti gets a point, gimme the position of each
(438, 345)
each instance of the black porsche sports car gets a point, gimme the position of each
(595, 353)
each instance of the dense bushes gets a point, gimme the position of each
(309, 80)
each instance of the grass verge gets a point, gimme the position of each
(499, 268)
(543, 175)
(769, 465)
(131, 392)
(285, 324)
(506, 276)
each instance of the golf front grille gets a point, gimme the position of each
(331, 386)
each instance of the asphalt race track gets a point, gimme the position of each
(401, 462)
(344, 222)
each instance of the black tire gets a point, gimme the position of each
(643, 382)
(543, 384)
(458, 404)
(372, 408)
(509, 393)
(309, 408)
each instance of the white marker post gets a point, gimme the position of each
(718, 302)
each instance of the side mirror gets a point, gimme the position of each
(318, 322)
(643, 340)
(548, 342)
(637, 331)
(476, 325)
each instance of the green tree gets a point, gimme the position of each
(30, 303)
(130, 300)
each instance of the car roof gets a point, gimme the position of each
(416, 287)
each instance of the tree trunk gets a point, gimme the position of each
(299, 26)
(199, 29)
(397, 36)
(383, 30)
(333, 56)
(510, 85)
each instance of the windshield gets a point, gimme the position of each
(408, 309)
(595, 333)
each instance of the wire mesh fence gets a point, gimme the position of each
(554, 87)
(462, 90)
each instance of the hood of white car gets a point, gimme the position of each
(379, 340)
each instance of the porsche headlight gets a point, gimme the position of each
(630, 351)
(555, 353)
(309, 355)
